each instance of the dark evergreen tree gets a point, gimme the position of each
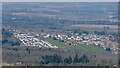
(84, 59)
(75, 60)
(68, 60)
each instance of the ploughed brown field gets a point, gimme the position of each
(112, 28)
(95, 26)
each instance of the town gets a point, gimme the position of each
(29, 40)
(108, 42)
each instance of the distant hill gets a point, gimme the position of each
(59, 13)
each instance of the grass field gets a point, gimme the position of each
(85, 48)
(91, 28)
(95, 26)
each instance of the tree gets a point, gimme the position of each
(84, 59)
(108, 49)
(76, 59)
(42, 30)
(4, 41)
(57, 58)
(51, 59)
(27, 49)
(100, 32)
(85, 32)
(54, 38)
(68, 60)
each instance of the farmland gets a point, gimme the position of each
(95, 26)
(36, 31)
(87, 48)
(92, 27)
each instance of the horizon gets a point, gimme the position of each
(59, 1)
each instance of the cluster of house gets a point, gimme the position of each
(29, 40)
(104, 41)
(107, 42)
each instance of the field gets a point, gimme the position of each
(71, 19)
(66, 47)
(95, 26)
(92, 27)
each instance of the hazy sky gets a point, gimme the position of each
(59, 0)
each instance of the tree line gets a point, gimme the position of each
(67, 60)
(8, 38)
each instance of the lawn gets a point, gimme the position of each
(86, 48)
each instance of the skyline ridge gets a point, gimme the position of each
(59, 1)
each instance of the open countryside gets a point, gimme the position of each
(62, 34)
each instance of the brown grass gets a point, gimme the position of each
(31, 14)
(95, 26)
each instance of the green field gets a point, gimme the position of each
(91, 30)
(85, 48)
